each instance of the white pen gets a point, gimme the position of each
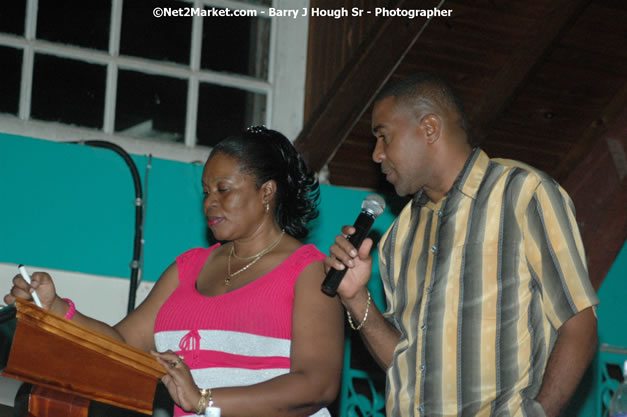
(27, 279)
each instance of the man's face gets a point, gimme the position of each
(401, 146)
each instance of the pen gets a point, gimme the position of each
(26, 277)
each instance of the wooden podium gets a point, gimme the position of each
(69, 365)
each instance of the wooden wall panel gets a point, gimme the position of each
(598, 188)
(332, 43)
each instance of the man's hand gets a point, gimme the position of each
(359, 263)
(573, 351)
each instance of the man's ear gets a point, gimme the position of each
(431, 126)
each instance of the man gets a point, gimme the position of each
(490, 311)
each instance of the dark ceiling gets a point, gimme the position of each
(542, 80)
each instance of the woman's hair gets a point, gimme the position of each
(266, 154)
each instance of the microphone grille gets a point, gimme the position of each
(373, 204)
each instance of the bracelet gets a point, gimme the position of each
(206, 399)
(363, 322)
(71, 310)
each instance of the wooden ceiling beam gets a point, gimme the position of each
(583, 144)
(500, 89)
(358, 83)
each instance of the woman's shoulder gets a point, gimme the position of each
(304, 255)
(195, 255)
(309, 250)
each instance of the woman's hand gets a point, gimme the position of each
(179, 380)
(43, 284)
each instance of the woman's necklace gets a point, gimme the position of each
(255, 258)
(261, 253)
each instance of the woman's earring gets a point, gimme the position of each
(267, 207)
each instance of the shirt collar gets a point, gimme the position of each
(468, 180)
(471, 176)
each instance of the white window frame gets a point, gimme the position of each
(285, 88)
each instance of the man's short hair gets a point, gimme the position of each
(426, 92)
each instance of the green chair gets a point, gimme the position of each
(359, 396)
(607, 355)
(356, 404)
(612, 331)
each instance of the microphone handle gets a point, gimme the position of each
(334, 277)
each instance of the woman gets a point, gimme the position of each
(241, 325)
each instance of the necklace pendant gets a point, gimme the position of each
(255, 258)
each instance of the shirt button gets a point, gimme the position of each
(439, 213)
(423, 326)
(429, 289)
(433, 249)
(421, 409)
(422, 368)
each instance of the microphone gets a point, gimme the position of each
(371, 208)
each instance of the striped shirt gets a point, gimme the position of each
(478, 284)
(239, 338)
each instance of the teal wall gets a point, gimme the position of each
(71, 207)
(612, 330)
(613, 296)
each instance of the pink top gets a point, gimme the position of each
(239, 338)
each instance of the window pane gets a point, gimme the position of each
(68, 91)
(145, 36)
(10, 74)
(75, 22)
(236, 44)
(12, 17)
(223, 111)
(151, 106)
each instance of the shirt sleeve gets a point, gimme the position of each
(555, 254)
